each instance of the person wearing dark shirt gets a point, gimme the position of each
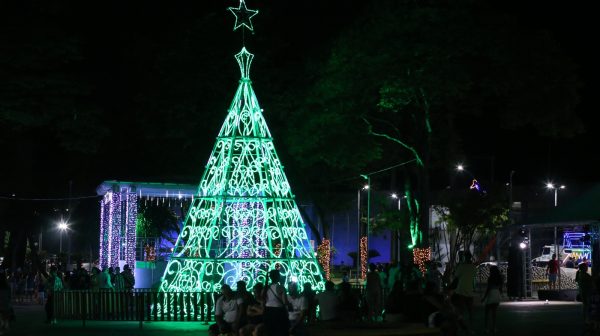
(128, 278)
(570, 263)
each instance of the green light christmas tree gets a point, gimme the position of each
(244, 220)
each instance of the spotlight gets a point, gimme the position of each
(522, 245)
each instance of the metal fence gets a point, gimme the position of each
(138, 305)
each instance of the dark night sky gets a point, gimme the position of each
(537, 159)
(113, 31)
(531, 156)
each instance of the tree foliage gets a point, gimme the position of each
(468, 212)
(156, 221)
(414, 72)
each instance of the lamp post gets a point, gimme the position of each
(395, 197)
(62, 227)
(359, 230)
(460, 168)
(552, 186)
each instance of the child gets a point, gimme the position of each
(492, 299)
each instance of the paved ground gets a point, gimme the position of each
(515, 319)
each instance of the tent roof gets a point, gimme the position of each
(149, 189)
(582, 210)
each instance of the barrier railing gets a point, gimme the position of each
(138, 305)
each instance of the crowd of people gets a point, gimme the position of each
(393, 293)
(30, 287)
(20, 287)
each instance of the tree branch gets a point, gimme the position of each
(426, 108)
(398, 141)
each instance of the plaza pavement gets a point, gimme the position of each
(519, 318)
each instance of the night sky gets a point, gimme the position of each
(122, 60)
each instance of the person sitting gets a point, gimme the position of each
(327, 302)
(297, 311)
(226, 313)
(254, 311)
(247, 330)
(347, 308)
(245, 299)
(260, 330)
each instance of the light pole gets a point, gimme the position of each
(461, 169)
(62, 227)
(395, 197)
(552, 186)
(359, 230)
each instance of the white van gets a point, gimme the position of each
(547, 252)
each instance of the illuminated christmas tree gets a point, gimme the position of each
(244, 220)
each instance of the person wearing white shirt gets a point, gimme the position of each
(297, 313)
(227, 313)
(328, 302)
(275, 315)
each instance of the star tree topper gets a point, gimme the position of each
(243, 16)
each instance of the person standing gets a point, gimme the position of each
(492, 298)
(552, 272)
(41, 290)
(393, 275)
(463, 294)
(311, 300)
(6, 310)
(275, 313)
(104, 280)
(128, 278)
(433, 277)
(374, 292)
(117, 280)
(95, 279)
(585, 285)
(53, 285)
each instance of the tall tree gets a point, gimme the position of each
(413, 71)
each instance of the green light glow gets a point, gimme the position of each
(244, 221)
(413, 209)
(243, 16)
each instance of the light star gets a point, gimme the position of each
(243, 16)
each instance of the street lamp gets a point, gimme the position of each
(62, 227)
(359, 260)
(552, 186)
(395, 196)
(365, 187)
